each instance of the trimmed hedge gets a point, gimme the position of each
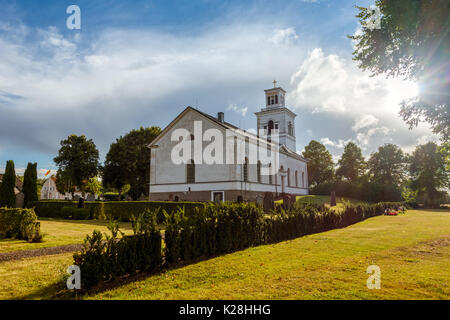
(19, 224)
(118, 210)
(216, 229)
(75, 213)
(102, 259)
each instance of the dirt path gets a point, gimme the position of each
(21, 254)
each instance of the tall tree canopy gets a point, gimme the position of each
(320, 163)
(128, 161)
(30, 187)
(387, 166)
(77, 161)
(429, 173)
(7, 195)
(351, 164)
(413, 43)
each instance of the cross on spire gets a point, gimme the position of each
(274, 83)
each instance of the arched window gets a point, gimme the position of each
(296, 178)
(246, 170)
(190, 172)
(258, 171)
(289, 177)
(268, 101)
(276, 99)
(270, 127)
(270, 176)
(303, 179)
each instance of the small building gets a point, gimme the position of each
(17, 191)
(50, 192)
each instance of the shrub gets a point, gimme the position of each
(30, 183)
(75, 213)
(113, 210)
(20, 224)
(7, 195)
(105, 258)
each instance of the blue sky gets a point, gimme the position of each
(139, 63)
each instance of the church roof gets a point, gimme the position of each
(226, 125)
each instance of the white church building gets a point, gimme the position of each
(228, 178)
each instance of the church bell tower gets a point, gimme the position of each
(276, 116)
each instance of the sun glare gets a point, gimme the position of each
(401, 90)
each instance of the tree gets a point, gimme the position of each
(412, 43)
(30, 183)
(93, 186)
(351, 164)
(77, 161)
(388, 165)
(387, 172)
(320, 163)
(428, 173)
(128, 161)
(7, 195)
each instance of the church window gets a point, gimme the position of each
(268, 101)
(192, 137)
(190, 174)
(296, 178)
(258, 171)
(303, 179)
(289, 176)
(270, 176)
(276, 126)
(276, 99)
(270, 124)
(290, 131)
(246, 170)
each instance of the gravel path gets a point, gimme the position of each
(21, 254)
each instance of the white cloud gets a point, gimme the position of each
(336, 144)
(235, 108)
(363, 122)
(286, 36)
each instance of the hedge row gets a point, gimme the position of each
(103, 259)
(218, 229)
(118, 210)
(19, 224)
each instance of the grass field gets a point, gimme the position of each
(412, 250)
(61, 232)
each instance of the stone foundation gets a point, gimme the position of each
(230, 195)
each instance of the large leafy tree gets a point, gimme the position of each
(413, 43)
(30, 186)
(77, 161)
(7, 195)
(128, 161)
(429, 173)
(387, 166)
(387, 173)
(320, 163)
(351, 165)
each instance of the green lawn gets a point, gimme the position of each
(61, 232)
(412, 250)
